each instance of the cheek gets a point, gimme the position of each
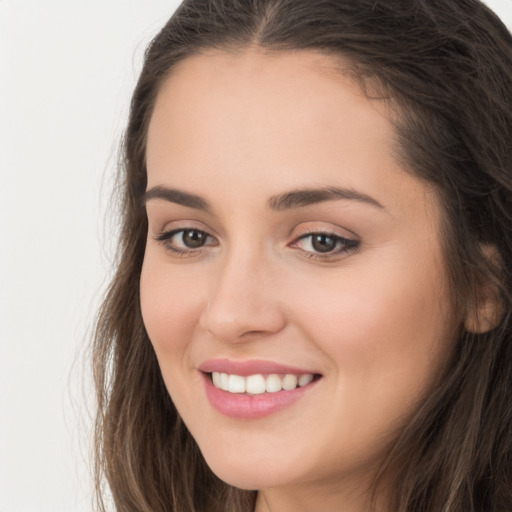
(171, 304)
(386, 338)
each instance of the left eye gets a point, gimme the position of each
(325, 243)
(186, 239)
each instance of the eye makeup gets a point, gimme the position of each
(315, 244)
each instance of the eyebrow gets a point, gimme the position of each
(285, 201)
(306, 197)
(173, 195)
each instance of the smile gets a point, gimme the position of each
(254, 389)
(258, 384)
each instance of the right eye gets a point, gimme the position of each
(187, 241)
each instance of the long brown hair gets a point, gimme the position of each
(446, 66)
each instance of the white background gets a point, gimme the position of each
(67, 69)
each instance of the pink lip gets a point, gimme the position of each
(245, 406)
(251, 367)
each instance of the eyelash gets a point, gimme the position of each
(165, 238)
(343, 245)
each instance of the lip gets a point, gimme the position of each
(251, 407)
(250, 367)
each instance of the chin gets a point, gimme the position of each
(253, 471)
(248, 478)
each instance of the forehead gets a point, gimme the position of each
(252, 119)
(250, 87)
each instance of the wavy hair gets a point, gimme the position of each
(446, 68)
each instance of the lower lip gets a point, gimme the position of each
(252, 407)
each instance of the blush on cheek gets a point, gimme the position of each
(369, 325)
(170, 316)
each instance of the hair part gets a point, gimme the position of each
(445, 66)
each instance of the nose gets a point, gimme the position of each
(242, 301)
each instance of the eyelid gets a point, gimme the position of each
(172, 229)
(176, 225)
(346, 244)
(167, 234)
(322, 227)
(344, 240)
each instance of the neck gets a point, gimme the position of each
(342, 497)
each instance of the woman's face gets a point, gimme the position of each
(286, 243)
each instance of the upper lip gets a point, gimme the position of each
(250, 367)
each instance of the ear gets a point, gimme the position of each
(486, 311)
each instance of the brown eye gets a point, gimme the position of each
(193, 238)
(186, 241)
(323, 243)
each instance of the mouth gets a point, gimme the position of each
(258, 384)
(254, 389)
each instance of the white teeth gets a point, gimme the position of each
(224, 381)
(304, 380)
(273, 383)
(289, 382)
(236, 384)
(258, 384)
(255, 384)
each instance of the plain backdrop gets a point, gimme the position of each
(67, 69)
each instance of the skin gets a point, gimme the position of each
(376, 322)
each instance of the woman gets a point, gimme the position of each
(312, 307)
